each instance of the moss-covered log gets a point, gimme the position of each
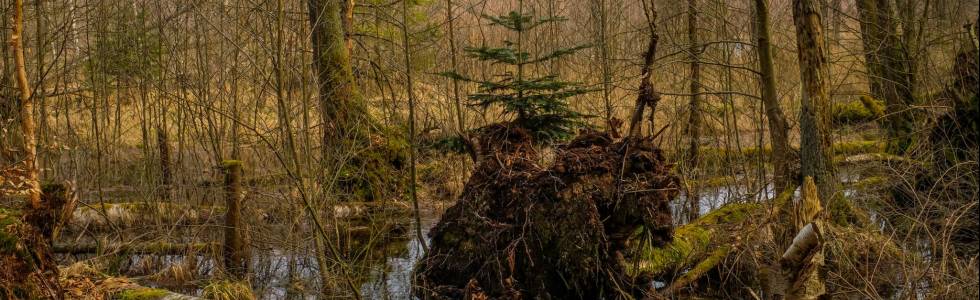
(694, 242)
(83, 282)
(145, 293)
(866, 109)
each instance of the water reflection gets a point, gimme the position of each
(394, 279)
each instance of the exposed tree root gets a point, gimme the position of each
(522, 230)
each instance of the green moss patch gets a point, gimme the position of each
(865, 109)
(858, 147)
(692, 241)
(142, 294)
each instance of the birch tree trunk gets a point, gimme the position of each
(26, 108)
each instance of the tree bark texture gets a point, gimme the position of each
(782, 158)
(890, 70)
(234, 247)
(27, 127)
(694, 120)
(815, 144)
(341, 107)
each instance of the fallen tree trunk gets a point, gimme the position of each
(82, 282)
(735, 251)
(157, 248)
(693, 243)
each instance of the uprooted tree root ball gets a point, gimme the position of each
(522, 230)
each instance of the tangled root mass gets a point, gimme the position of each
(523, 230)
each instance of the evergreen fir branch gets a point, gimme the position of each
(543, 21)
(517, 22)
(559, 53)
(513, 20)
(454, 75)
(499, 55)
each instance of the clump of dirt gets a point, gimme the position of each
(523, 230)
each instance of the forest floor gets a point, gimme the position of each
(123, 238)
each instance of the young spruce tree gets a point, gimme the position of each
(538, 103)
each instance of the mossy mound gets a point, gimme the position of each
(142, 294)
(83, 281)
(865, 109)
(522, 230)
(374, 171)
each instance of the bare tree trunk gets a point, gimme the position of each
(836, 18)
(890, 70)
(411, 129)
(815, 152)
(166, 172)
(648, 95)
(41, 93)
(603, 41)
(460, 117)
(347, 13)
(694, 120)
(782, 158)
(234, 247)
(341, 108)
(26, 109)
